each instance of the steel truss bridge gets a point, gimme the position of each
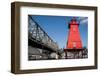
(38, 38)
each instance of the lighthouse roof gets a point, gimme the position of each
(73, 22)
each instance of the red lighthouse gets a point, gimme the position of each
(74, 43)
(74, 48)
(74, 39)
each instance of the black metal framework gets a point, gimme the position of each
(36, 33)
(40, 42)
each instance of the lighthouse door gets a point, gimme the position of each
(74, 44)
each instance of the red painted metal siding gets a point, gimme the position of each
(74, 39)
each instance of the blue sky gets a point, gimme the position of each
(57, 27)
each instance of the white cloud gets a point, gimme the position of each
(83, 20)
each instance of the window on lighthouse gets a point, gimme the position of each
(74, 28)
